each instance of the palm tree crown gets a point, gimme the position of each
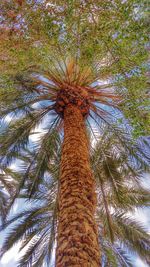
(41, 99)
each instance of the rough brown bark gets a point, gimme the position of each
(77, 242)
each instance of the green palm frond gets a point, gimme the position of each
(131, 198)
(18, 134)
(8, 182)
(45, 154)
(110, 257)
(35, 228)
(40, 243)
(133, 235)
(111, 251)
(130, 234)
(123, 258)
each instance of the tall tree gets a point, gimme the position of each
(69, 93)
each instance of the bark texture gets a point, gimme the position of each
(77, 241)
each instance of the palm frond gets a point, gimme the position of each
(44, 156)
(133, 235)
(18, 134)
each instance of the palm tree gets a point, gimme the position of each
(70, 95)
(114, 167)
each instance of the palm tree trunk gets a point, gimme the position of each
(77, 241)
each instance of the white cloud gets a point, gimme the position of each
(140, 263)
(12, 254)
(37, 133)
(13, 166)
(146, 180)
(8, 118)
(142, 217)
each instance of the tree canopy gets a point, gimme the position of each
(110, 36)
